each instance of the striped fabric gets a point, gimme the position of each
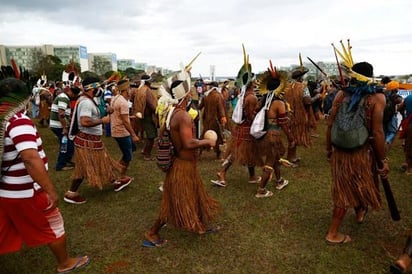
(62, 101)
(21, 134)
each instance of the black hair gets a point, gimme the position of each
(363, 68)
(89, 80)
(75, 90)
(122, 82)
(272, 84)
(13, 85)
(385, 80)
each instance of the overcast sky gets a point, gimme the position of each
(166, 33)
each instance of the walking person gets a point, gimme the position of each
(298, 97)
(243, 146)
(214, 115)
(60, 117)
(28, 198)
(92, 160)
(355, 172)
(144, 107)
(270, 146)
(185, 202)
(121, 129)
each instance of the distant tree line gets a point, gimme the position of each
(52, 67)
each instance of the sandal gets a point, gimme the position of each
(211, 230)
(281, 184)
(257, 181)
(219, 183)
(77, 265)
(263, 193)
(346, 239)
(151, 242)
(148, 158)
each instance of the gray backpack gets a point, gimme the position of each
(349, 129)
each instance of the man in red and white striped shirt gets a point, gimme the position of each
(28, 199)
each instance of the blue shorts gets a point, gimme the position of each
(125, 145)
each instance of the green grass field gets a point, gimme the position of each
(281, 234)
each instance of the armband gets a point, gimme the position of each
(282, 119)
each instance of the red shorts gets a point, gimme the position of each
(25, 221)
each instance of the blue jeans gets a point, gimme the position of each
(125, 145)
(390, 129)
(34, 110)
(63, 158)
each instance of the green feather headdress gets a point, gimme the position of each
(245, 75)
(14, 96)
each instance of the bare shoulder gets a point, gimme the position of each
(180, 117)
(378, 98)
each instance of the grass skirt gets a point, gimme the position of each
(185, 202)
(243, 147)
(270, 147)
(299, 120)
(94, 163)
(355, 180)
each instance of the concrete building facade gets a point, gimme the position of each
(24, 54)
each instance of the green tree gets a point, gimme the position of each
(88, 73)
(49, 65)
(132, 73)
(101, 65)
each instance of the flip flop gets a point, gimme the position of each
(159, 243)
(210, 230)
(76, 266)
(219, 183)
(394, 268)
(257, 181)
(346, 239)
(267, 194)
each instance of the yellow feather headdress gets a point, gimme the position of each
(273, 74)
(347, 61)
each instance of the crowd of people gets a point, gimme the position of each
(79, 113)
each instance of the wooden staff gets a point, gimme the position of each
(339, 68)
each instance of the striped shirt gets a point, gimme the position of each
(107, 95)
(62, 101)
(20, 134)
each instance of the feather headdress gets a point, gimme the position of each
(71, 74)
(169, 96)
(15, 93)
(299, 71)
(245, 75)
(273, 80)
(347, 62)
